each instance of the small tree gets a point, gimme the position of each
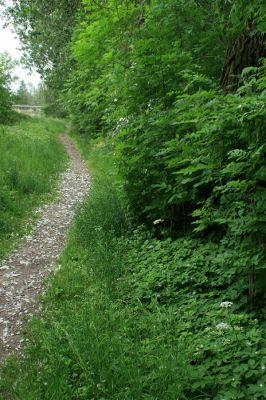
(23, 96)
(6, 66)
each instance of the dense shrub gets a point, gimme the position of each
(209, 146)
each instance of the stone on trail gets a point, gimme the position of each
(38, 252)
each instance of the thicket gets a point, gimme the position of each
(192, 153)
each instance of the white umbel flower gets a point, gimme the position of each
(223, 326)
(226, 304)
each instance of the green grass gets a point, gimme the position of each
(129, 317)
(30, 160)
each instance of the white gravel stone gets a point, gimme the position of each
(32, 261)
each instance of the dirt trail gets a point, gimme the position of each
(23, 271)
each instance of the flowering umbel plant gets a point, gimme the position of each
(226, 304)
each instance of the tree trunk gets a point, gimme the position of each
(244, 51)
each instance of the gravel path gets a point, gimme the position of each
(23, 271)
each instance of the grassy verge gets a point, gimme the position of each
(31, 158)
(129, 317)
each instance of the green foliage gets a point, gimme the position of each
(130, 56)
(30, 95)
(127, 316)
(146, 313)
(147, 73)
(200, 169)
(188, 282)
(30, 160)
(177, 159)
(45, 30)
(23, 95)
(6, 65)
(242, 12)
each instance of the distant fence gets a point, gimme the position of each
(27, 109)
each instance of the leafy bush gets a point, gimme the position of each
(200, 169)
(180, 158)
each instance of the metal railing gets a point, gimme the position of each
(27, 108)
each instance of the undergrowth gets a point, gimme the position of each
(31, 158)
(130, 317)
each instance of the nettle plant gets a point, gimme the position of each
(199, 167)
(184, 287)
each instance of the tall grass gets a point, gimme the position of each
(30, 159)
